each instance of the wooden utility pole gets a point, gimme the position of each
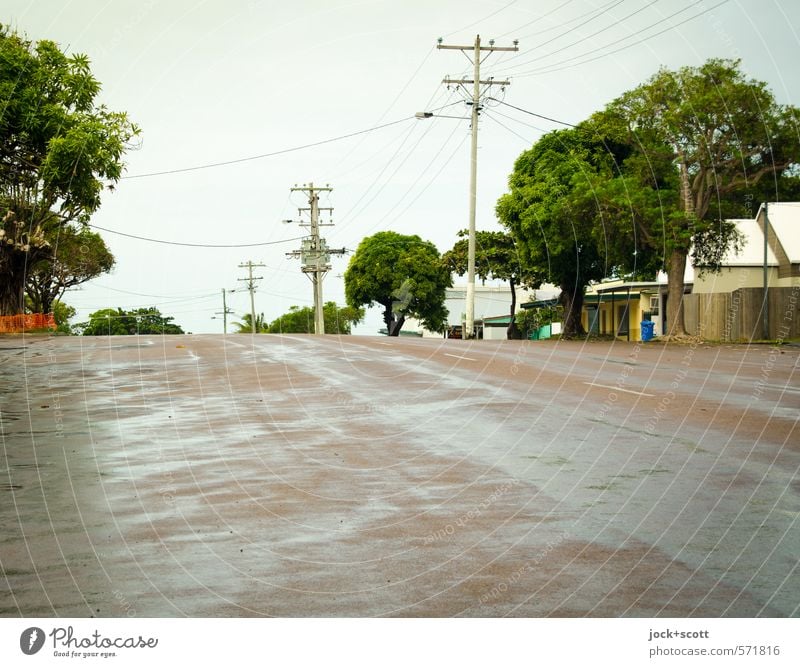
(250, 280)
(225, 311)
(476, 95)
(314, 252)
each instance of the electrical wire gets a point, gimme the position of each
(559, 66)
(595, 13)
(152, 296)
(211, 165)
(445, 163)
(195, 245)
(538, 115)
(539, 18)
(491, 117)
(353, 213)
(481, 20)
(587, 37)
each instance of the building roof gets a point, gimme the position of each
(632, 286)
(541, 303)
(752, 252)
(784, 223)
(497, 320)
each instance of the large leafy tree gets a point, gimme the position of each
(119, 322)
(403, 274)
(77, 255)
(547, 214)
(301, 320)
(496, 258)
(722, 135)
(59, 150)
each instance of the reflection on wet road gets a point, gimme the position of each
(348, 476)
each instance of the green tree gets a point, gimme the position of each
(546, 213)
(58, 151)
(301, 320)
(77, 255)
(62, 313)
(246, 325)
(496, 258)
(404, 274)
(722, 135)
(118, 322)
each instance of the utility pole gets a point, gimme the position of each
(225, 311)
(314, 252)
(476, 95)
(251, 287)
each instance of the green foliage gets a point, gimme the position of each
(301, 320)
(58, 151)
(496, 257)
(246, 325)
(118, 322)
(404, 274)
(547, 213)
(532, 319)
(63, 313)
(78, 255)
(704, 141)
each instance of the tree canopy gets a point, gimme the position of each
(301, 320)
(545, 210)
(720, 135)
(404, 274)
(58, 151)
(496, 258)
(118, 322)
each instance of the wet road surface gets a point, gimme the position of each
(354, 476)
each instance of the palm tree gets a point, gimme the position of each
(246, 325)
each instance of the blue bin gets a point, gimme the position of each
(647, 330)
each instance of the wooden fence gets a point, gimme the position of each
(738, 315)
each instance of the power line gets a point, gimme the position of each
(559, 66)
(587, 37)
(539, 18)
(195, 245)
(481, 20)
(592, 14)
(153, 296)
(538, 115)
(250, 158)
(265, 155)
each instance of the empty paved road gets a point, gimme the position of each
(350, 476)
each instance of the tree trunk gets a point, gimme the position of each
(573, 304)
(513, 332)
(677, 260)
(393, 323)
(675, 272)
(12, 286)
(394, 329)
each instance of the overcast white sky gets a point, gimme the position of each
(215, 81)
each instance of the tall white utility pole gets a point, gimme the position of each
(473, 172)
(314, 253)
(251, 287)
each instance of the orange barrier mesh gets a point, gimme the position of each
(29, 322)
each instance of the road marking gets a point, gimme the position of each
(384, 343)
(459, 357)
(627, 391)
